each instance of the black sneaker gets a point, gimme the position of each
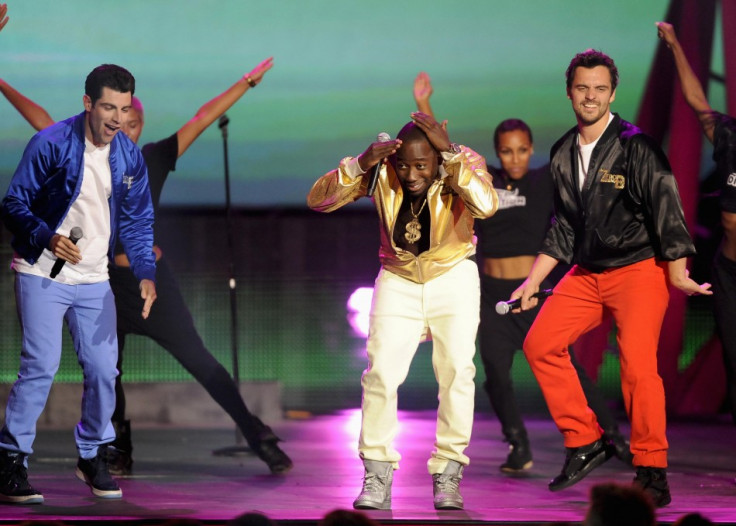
(519, 458)
(654, 482)
(14, 485)
(278, 461)
(95, 473)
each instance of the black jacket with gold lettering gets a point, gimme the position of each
(629, 208)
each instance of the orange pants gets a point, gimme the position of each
(637, 296)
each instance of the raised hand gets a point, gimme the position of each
(257, 73)
(666, 33)
(422, 88)
(3, 15)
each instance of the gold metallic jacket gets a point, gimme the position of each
(454, 199)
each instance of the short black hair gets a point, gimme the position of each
(591, 58)
(411, 132)
(511, 125)
(108, 76)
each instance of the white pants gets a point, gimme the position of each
(402, 312)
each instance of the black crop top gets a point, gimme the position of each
(523, 217)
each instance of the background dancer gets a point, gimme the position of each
(720, 130)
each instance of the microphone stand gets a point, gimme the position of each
(239, 448)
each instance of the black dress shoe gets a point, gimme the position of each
(618, 446)
(580, 461)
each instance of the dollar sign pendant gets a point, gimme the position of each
(413, 233)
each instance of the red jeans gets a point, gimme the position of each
(637, 296)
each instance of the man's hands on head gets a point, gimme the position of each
(377, 152)
(148, 293)
(436, 132)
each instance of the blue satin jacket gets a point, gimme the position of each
(49, 178)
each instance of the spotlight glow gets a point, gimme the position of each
(359, 307)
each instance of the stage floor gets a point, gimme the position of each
(176, 475)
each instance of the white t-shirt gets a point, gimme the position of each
(584, 153)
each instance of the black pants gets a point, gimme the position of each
(500, 337)
(170, 325)
(724, 305)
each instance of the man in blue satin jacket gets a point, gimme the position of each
(79, 174)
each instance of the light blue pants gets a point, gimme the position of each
(89, 311)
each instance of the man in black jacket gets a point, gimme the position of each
(618, 217)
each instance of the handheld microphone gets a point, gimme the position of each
(504, 307)
(382, 137)
(74, 236)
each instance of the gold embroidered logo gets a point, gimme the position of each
(619, 181)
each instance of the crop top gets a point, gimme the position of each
(525, 208)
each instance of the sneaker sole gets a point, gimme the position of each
(24, 499)
(101, 493)
(280, 470)
(448, 506)
(385, 505)
(525, 467)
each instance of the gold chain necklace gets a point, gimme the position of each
(413, 227)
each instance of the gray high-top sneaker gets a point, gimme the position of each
(447, 487)
(376, 492)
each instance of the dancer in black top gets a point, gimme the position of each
(720, 129)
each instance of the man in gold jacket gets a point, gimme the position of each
(426, 196)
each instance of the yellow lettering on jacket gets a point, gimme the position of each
(619, 181)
